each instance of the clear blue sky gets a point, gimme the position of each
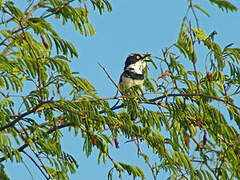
(133, 26)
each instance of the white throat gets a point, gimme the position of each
(137, 67)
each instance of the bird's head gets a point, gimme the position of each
(136, 63)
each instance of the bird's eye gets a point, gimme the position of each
(138, 57)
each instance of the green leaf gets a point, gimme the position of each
(224, 4)
(133, 170)
(16, 12)
(3, 174)
(200, 9)
(199, 33)
(185, 44)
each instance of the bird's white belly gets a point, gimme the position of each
(129, 82)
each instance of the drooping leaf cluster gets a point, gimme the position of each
(34, 71)
(189, 116)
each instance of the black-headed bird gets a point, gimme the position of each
(132, 80)
(133, 74)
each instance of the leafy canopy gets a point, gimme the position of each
(179, 118)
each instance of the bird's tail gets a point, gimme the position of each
(116, 102)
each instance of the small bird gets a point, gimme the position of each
(133, 71)
(133, 75)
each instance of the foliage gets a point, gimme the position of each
(191, 135)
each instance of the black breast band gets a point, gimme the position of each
(133, 75)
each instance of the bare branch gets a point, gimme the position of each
(35, 163)
(104, 69)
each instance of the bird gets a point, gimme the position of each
(133, 74)
(131, 81)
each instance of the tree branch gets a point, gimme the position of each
(21, 148)
(104, 69)
(19, 117)
(57, 10)
(192, 95)
(146, 160)
(35, 163)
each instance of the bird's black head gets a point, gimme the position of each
(133, 58)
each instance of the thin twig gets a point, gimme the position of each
(5, 51)
(104, 69)
(192, 95)
(35, 163)
(12, 41)
(194, 14)
(36, 57)
(113, 162)
(19, 117)
(26, 141)
(43, 165)
(193, 57)
(30, 12)
(30, 4)
(57, 10)
(146, 160)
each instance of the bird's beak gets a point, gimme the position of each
(143, 58)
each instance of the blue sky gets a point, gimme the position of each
(133, 26)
